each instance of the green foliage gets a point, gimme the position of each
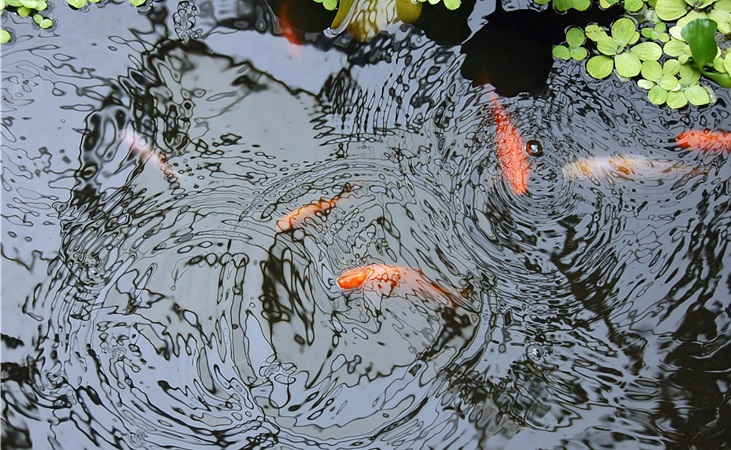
(4, 37)
(669, 62)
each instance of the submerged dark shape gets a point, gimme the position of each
(513, 50)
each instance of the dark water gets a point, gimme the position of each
(147, 305)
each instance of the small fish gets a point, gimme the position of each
(290, 33)
(139, 147)
(510, 149)
(297, 217)
(705, 140)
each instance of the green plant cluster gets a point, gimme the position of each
(36, 8)
(674, 54)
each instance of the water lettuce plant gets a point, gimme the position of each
(674, 62)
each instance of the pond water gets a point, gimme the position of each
(158, 293)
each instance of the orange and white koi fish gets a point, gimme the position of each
(297, 217)
(385, 278)
(620, 166)
(510, 149)
(139, 147)
(705, 140)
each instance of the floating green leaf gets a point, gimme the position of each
(624, 31)
(701, 37)
(575, 37)
(656, 33)
(137, 2)
(78, 4)
(452, 4)
(633, 5)
(697, 95)
(671, 9)
(4, 37)
(627, 65)
(600, 66)
(657, 95)
(647, 51)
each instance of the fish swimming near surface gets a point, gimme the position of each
(385, 279)
(510, 149)
(297, 217)
(705, 140)
(620, 166)
(147, 154)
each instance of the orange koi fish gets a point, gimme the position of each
(289, 32)
(139, 147)
(510, 149)
(297, 217)
(705, 140)
(385, 278)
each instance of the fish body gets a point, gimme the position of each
(705, 140)
(619, 166)
(510, 149)
(385, 278)
(297, 217)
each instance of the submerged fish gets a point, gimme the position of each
(385, 278)
(298, 216)
(510, 149)
(623, 166)
(146, 154)
(705, 140)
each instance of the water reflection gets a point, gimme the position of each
(170, 308)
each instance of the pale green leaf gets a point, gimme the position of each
(627, 65)
(675, 48)
(689, 75)
(579, 53)
(651, 70)
(633, 5)
(671, 9)
(575, 37)
(623, 30)
(671, 67)
(595, 32)
(607, 46)
(697, 95)
(78, 4)
(581, 5)
(600, 66)
(562, 5)
(452, 4)
(718, 64)
(46, 23)
(668, 82)
(561, 52)
(727, 63)
(4, 37)
(136, 2)
(23, 11)
(721, 14)
(645, 84)
(676, 99)
(647, 51)
(657, 95)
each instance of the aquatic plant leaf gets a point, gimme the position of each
(562, 5)
(627, 64)
(675, 48)
(633, 5)
(452, 4)
(581, 5)
(608, 46)
(408, 11)
(651, 70)
(701, 37)
(600, 66)
(718, 64)
(676, 99)
(727, 63)
(595, 32)
(78, 4)
(137, 2)
(561, 52)
(579, 53)
(4, 37)
(689, 75)
(647, 51)
(668, 82)
(575, 37)
(645, 84)
(23, 11)
(657, 95)
(697, 95)
(721, 14)
(723, 79)
(670, 10)
(623, 31)
(671, 67)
